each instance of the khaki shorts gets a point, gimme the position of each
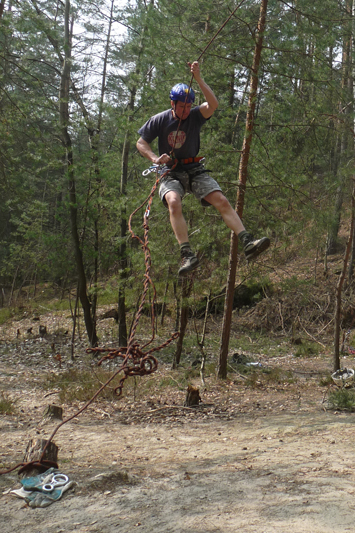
(194, 181)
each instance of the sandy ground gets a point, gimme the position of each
(266, 458)
(275, 473)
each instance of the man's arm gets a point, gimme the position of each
(209, 107)
(145, 150)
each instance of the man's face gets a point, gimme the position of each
(181, 109)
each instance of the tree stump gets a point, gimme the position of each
(34, 452)
(192, 396)
(53, 412)
(42, 331)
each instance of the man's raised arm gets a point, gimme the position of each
(209, 107)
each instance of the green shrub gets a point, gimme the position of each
(325, 380)
(267, 376)
(307, 349)
(343, 399)
(7, 406)
(81, 385)
(5, 314)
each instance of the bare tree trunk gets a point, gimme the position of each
(236, 121)
(332, 244)
(337, 315)
(66, 139)
(347, 142)
(201, 341)
(65, 84)
(178, 308)
(243, 169)
(13, 286)
(187, 284)
(74, 316)
(94, 138)
(230, 92)
(352, 261)
(352, 258)
(163, 307)
(122, 322)
(2, 7)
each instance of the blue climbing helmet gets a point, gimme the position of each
(182, 93)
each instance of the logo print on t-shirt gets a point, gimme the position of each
(180, 139)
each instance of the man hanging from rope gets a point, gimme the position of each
(178, 133)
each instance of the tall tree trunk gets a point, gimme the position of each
(122, 322)
(66, 139)
(346, 142)
(187, 284)
(94, 138)
(352, 258)
(241, 104)
(243, 169)
(337, 315)
(2, 7)
(231, 95)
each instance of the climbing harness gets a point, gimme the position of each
(190, 160)
(161, 169)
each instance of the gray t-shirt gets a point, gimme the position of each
(164, 126)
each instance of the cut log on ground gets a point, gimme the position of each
(53, 412)
(34, 452)
(192, 396)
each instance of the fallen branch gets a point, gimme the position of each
(180, 407)
(51, 393)
(311, 336)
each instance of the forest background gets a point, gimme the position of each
(78, 79)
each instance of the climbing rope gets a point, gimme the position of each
(134, 361)
(198, 59)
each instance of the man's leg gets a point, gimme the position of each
(177, 220)
(189, 261)
(230, 217)
(251, 248)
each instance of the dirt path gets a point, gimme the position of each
(264, 457)
(273, 473)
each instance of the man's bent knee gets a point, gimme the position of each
(218, 200)
(173, 200)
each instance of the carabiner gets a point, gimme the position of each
(153, 168)
(58, 480)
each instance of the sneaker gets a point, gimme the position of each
(189, 261)
(253, 249)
